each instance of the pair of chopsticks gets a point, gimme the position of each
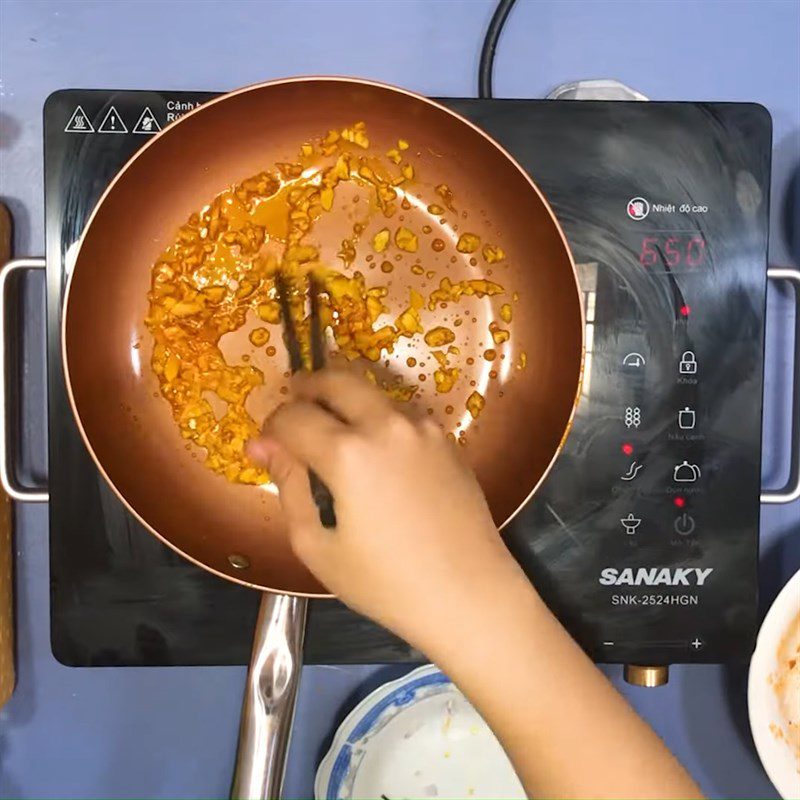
(290, 330)
(320, 492)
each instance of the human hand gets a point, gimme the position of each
(415, 548)
(414, 537)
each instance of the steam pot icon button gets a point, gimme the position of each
(685, 472)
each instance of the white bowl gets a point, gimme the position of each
(416, 737)
(766, 718)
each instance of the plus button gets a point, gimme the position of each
(696, 643)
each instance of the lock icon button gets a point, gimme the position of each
(688, 365)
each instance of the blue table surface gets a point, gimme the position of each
(172, 732)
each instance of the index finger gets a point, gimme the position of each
(351, 397)
(308, 433)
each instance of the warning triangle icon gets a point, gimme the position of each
(79, 122)
(147, 123)
(112, 123)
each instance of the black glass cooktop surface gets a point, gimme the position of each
(644, 537)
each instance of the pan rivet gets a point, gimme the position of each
(238, 561)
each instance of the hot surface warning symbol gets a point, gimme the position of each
(112, 123)
(147, 123)
(79, 122)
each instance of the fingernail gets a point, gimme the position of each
(259, 450)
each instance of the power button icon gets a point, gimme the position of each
(684, 524)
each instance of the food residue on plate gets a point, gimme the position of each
(785, 682)
(217, 277)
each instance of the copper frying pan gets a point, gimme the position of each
(237, 531)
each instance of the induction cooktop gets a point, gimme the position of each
(643, 539)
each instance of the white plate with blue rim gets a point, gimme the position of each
(416, 737)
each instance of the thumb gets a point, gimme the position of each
(306, 534)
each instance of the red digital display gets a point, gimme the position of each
(673, 250)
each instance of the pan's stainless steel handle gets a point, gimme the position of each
(790, 492)
(8, 479)
(269, 697)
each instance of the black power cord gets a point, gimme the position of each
(490, 45)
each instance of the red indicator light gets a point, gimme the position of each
(680, 502)
(627, 449)
(686, 310)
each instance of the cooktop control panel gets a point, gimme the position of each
(644, 537)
